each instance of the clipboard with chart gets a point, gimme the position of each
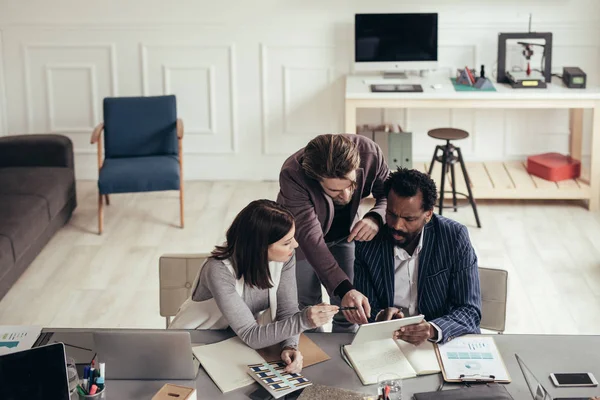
(471, 359)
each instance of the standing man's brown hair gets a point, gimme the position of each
(322, 185)
(330, 156)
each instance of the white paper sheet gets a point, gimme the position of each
(421, 357)
(17, 338)
(473, 356)
(227, 363)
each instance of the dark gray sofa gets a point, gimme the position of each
(37, 197)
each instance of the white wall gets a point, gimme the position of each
(256, 80)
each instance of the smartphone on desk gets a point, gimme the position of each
(573, 379)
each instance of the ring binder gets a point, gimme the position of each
(476, 378)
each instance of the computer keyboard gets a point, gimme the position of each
(395, 88)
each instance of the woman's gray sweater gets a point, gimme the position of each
(216, 281)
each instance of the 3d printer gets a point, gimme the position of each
(528, 77)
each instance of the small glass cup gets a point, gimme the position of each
(72, 374)
(394, 382)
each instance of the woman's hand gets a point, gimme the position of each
(320, 314)
(293, 359)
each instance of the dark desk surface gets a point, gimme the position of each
(543, 354)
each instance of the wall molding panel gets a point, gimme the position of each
(208, 70)
(277, 102)
(90, 69)
(209, 73)
(253, 91)
(27, 48)
(287, 94)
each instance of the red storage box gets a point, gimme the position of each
(553, 166)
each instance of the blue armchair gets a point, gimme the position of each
(142, 148)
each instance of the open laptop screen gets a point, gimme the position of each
(35, 374)
(538, 392)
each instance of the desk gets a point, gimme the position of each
(508, 180)
(542, 353)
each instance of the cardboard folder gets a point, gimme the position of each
(312, 353)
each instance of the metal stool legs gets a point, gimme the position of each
(448, 159)
(443, 184)
(453, 186)
(433, 159)
(468, 182)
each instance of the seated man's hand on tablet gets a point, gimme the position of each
(389, 313)
(416, 334)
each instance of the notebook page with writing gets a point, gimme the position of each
(227, 363)
(377, 357)
(422, 357)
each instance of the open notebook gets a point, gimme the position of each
(377, 353)
(378, 357)
(227, 362)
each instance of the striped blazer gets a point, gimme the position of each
(447, 281)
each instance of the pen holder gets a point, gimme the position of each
(97, 396)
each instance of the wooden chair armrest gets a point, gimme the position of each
(97, 132)
(179, 128)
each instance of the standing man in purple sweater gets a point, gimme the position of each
(322, 185)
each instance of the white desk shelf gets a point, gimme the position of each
(497, 180)
(508, 180)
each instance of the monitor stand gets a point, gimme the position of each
(395, 75)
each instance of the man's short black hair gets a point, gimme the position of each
(407, 182)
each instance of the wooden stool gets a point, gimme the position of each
(450, 156)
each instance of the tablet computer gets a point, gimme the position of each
(384, 329)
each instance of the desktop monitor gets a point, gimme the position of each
(395, 42)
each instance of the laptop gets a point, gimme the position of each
(35, 374)
(538, 391)
(147, 355)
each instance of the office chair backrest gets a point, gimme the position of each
(177, 274)
(140, 126)
(494, 286)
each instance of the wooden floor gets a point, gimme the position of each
(507, 180)
(551, 250)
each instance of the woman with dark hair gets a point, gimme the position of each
(249, 284)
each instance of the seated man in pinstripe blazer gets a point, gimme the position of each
(419, 263)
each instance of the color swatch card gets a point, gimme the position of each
(278, 383)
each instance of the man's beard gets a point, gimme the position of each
(407, 238)
(341, 202)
